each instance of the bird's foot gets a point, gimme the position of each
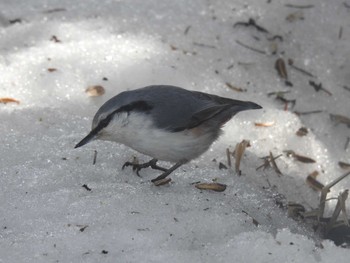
(168, 171)
(137, 167)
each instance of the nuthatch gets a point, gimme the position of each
(165, 122)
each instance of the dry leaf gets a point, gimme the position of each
(8, 100)
(280, 66)
(211, 186)
(302, 132)
(239, 151)
(264, 124)
(95, 91)
(299, 158)
(340, 119)
(303, 159)
(344, 165)
(292, 17)
(235, 88)
(162, 181)
(313, 182)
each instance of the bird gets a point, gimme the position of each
(165, 122)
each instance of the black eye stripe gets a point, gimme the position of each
(138, 106)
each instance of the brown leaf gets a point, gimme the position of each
(235, 88)
(239, 151)
(302, 132)
(344, 165)
(300, 158)
(303, 159)
(211, 186)
(340, 119)
(162, 181)
(280, 66)
(313, 182)
(264, 124)
(95, 91)
(8, 100)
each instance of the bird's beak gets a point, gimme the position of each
(91, 136)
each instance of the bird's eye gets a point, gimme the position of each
(105, 121)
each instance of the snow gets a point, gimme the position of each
(45, 213)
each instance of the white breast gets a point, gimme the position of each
(137, 131)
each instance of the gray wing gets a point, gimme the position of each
(177, 109)
(173, 108)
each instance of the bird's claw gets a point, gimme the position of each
(136, 167)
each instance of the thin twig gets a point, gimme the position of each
(267, 161)
(307, 112)
(325, 191)
(95, 157)
(340, 34)
(291, 64)
(250, 48)
(347, 143)
(186, 30)
(346, 88)
(274, 165)
(228, 154)
(203, 45)
(299, 6)
(251, 22)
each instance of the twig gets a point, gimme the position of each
(85, 186)
(274, 165)
(307, 112)
(319, 87)
(340, 34)
(187, 30)
(340, 119)
(250, 48)
(325, 191)
(54, 10)
(278, 93)
(267, 161)
(291, 64)
(340, 207)
(251, 22)
(203, 45)
(347, 143)
(299, 6)
(95, 157)
(228, 154)
(280, 38)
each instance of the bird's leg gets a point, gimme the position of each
(169, 171)
(137, 167)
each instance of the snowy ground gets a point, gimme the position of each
(45, 213)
